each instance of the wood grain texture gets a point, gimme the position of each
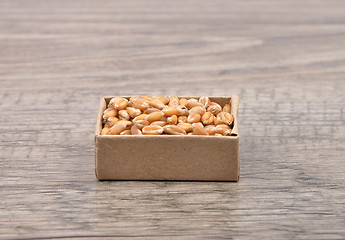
(286, 60)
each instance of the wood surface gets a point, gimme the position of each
(285, 59)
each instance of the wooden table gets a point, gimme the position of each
(286, 60)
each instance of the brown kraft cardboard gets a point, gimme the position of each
(168, 157)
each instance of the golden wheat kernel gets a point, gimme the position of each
(111, 121)
(184, 110)
(133, 112)
(123, 115)
(214, 108)
(109, 112)
(128, 123)
(140, 117)
(186, 126)
(173, 101)
(222, 128)
(199, 129)
(105, 131)
(169, 111)
(210, 129)
(117, 128)
(152, 130)
(220, 115)
(174, 130)
(182, 119)
(119, 103)
(193, 118)
(135, 130)
(163, 99)
(172, 120)
(126, 132)
(159, 123)
(193, 103)
(227, 108)
(164, 118)
(132, 99)
(156, 103)
(198, 109)
(183, 102)
(227, 118)
(140, 103)
(155, 116)
(111, 102)
(110, 105)
(205, 101)
(227, 132)
(147, 98)
(141, 123)
(151, 110)
(207, 118)
(217, 121)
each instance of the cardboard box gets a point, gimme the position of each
(168, 157)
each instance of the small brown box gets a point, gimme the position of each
(168, 157)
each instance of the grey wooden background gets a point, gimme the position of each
(285, 59)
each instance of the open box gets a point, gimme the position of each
(168, 157)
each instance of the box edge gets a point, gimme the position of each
(235, 101)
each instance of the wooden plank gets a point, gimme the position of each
(285, 60)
